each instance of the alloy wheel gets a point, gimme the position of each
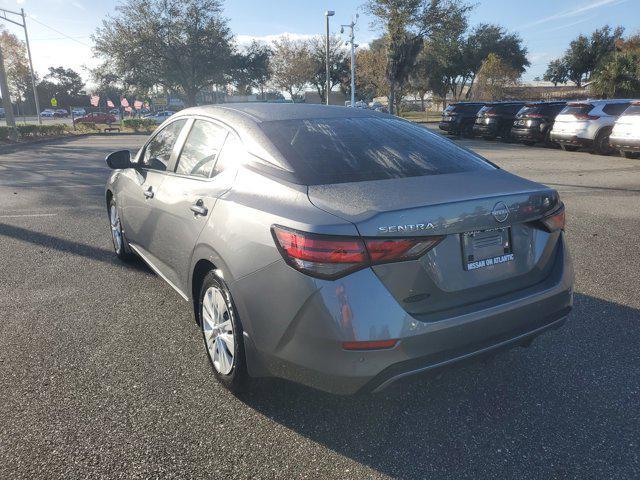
(218, 330)
(116, 231)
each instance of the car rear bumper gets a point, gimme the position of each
(306, 346)
(482, 130)
(627, 144)
(568, 139)
(527, 134)
(449, 127)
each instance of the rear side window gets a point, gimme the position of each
(632, 110)
(232, 152)
(201, 149)
(158, 151)
(577, 109)
(338, 150)
(615, 109)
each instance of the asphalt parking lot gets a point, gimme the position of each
(103, 374)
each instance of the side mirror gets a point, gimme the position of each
(119, 160)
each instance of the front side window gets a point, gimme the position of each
(201, 149)
(158, 151)
(337, 150)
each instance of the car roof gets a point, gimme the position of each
(605, 101)
(265, 112)
(547, 102)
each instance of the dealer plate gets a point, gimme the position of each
(486, 248)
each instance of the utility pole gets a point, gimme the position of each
(353, 58)
(23, 24)
(6, 98)
(327, 14)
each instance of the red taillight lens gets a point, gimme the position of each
(586, 116)
(330, 257)
(398, 249)
(556, 220)
(373, 345)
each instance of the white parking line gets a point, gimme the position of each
(30, 215)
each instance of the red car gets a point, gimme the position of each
(97, 117)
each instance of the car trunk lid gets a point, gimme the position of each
(482, 215)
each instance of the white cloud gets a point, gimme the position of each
(574, 12)
(572, 24)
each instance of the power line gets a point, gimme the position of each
(61, 33)
(58, 38)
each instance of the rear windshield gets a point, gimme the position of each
(339, 150)
(540, 109)
(462, 108)
(509, 108)
(632, 110)
(577, 109)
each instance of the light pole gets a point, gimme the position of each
(23, 24)
(353, 58)
(327, 14)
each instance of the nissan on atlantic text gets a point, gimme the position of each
(341, 248)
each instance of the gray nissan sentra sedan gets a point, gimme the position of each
(340, 248)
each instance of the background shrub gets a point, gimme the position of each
(139, 124)
(5, 133)
(29, 131)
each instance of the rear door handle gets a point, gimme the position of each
(149, 192)
(198, 208)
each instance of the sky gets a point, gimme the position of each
(60, 30)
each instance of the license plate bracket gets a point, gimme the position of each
(486, 248)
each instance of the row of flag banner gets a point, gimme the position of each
(137, 104)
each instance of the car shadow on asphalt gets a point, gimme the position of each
(553, 410)
(69, 246)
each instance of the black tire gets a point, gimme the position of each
(238, 379)
(528, 143)
(627, 154)
(122, 251)
(601, 144)
(505, 134)
(467, 131)
(569, 148)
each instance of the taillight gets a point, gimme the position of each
(330, 257)
(556, 220)
(586, 116)
(370, 345)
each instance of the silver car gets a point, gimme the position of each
(588, 124)
(341, 248)
(626, 132)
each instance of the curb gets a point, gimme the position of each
(17, 146)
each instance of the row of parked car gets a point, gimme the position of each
(601, 125)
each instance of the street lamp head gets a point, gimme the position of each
(341, 29)
(329, 13)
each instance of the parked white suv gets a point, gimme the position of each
(626, 132)
(588, 124)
